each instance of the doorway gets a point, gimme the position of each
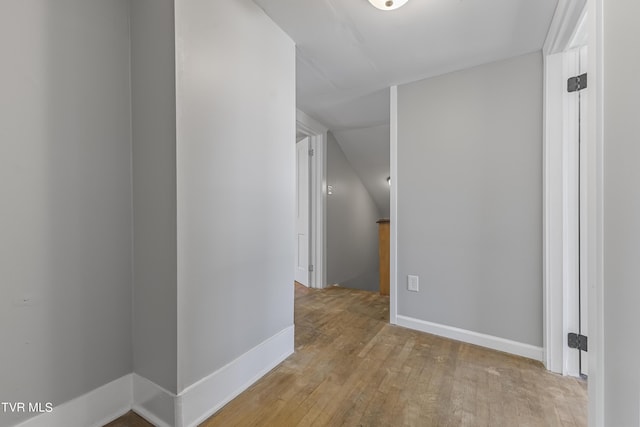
(303, 210)
(313, 223)
(319, 191)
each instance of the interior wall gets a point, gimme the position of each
(236, 124)
(470, 199)
(352, 232)
(368, 153)
(621, 214)
(154, 191)
(65, 185)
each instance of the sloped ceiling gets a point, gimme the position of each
(347, 50)
(349, 53)
(367, 149)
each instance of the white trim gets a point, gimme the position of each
(559, 222)
(303, 270)
(95, 408)
(570, 213)
(496, 343)
(585, 169)
(308, 124)
(201, 400)
(161, 407)
(580, 37)
(563, 25)
(560, 258)
(553, 224)
(152, 417)
(567, 24)
(152, 402)
(318, 198)
(393, 206)
(317, 133)
(595, 227)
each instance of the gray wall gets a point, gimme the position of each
(235, 182)
(65, 191)
(367, 150)
(352, 232)
(154, 191)
(621, 214)
(470, 199)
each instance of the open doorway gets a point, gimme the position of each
(304, 264)
(357, 202)
(346, 201)
(310, 265)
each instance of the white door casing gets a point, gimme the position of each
(302, 212)
(317, 133)
(570, 19)
(563, 237)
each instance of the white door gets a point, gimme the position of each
(302, 212)
(582, 293)
(575, 201)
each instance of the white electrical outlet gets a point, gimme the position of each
(412, 283)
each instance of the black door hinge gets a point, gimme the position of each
(577, 83)
(577, 341)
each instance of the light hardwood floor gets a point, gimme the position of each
(351, 368)
(130, 419)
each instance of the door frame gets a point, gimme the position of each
(317, 134)
(393, 205)
(303, 209)
(559, 248)
(595, 225)
(574, 23)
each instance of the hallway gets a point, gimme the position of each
(352, 368)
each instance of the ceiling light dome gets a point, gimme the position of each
(388, 4)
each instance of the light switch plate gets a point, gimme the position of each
(412, 283)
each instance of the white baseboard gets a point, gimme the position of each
(152, 402)
(163, 408)
(95, 409)
(202, 399)
(520, 349)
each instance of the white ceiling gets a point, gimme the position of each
(347, 50)
(349, 53)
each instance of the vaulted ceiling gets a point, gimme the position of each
(349, 53)
(367, 149)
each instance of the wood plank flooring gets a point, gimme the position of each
(130, 419)
(351, 368)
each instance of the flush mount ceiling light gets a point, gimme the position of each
(387, 4)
